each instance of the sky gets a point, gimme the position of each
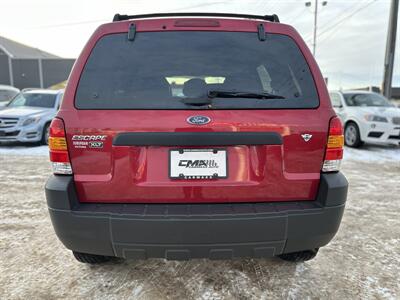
(350, 45)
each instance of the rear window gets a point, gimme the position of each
(161, 70)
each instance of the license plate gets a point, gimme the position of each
(198, 164)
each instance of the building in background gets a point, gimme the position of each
(396, 93)
(25, 67)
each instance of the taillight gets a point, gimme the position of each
(334, 147)
(58, 148)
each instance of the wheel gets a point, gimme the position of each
(91, 258)
(352, 135)
(299, 256)
(45, 134)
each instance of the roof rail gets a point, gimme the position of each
(271, 18)
(30, 89)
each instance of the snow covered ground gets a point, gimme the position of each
(362, 262)
(31, 150)
(376, 154)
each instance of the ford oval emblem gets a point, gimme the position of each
(198, 120)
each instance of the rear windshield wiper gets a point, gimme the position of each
(238, 94)
(228, 94)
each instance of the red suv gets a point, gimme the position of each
(195, 135)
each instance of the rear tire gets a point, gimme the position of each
(352, 135)
(45, 134)
(299, 256)
(91, 258)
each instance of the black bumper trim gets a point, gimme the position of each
(183, 231)
(196, 138)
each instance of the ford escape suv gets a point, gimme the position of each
(195, 135)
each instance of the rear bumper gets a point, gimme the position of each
(177, 231)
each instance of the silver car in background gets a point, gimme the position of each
(26, 118)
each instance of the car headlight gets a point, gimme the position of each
(30, 121)
(375, 118)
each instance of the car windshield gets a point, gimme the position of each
(365, 99)
(178, 70)
(33, 100)
(7, 95)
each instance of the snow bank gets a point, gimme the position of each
(376, 154)
(24, 150)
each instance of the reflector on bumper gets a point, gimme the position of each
(61, 168)
(331, 165)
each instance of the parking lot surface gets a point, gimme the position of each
(363, 261)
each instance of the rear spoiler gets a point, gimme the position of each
(270, 18)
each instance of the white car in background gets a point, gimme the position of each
(367, 118)
(6, 94)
